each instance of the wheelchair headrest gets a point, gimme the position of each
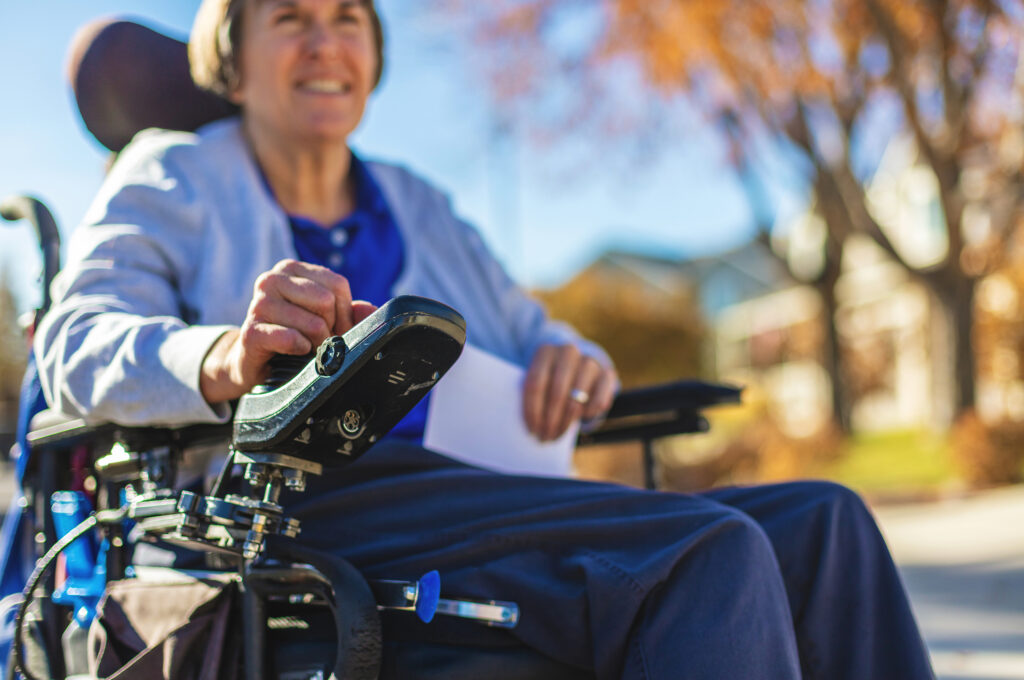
(127, 77)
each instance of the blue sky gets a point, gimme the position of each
(545, 218)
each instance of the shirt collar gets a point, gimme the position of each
(369, 198)
(368, 193)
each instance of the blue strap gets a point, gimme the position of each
(30, 403)
(17, 553)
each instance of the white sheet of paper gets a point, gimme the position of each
(476, 416)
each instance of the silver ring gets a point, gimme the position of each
(579, 396)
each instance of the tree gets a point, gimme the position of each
(651, 336)
(13, 357)
(813, 84)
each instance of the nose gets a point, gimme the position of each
(320, 41)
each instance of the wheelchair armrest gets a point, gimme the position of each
(53, 429)
(689, 395)
(660, 411)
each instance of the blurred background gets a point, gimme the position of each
(820, 200)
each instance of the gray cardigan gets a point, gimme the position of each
(167, 256)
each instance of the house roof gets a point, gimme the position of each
(721, 280)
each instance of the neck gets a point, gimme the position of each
(307, 180)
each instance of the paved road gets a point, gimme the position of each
(963, 562)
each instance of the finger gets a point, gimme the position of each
(298, 290)
(343, 315)
(257, 344)
(336, 307)
(535, 388)
(362, 309)
(587, 373)
(562, 378)
(282, 312)
(262, 340)
(602, 395)
(341, 296)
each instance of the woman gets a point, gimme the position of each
(206, 254)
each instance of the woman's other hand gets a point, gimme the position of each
(295, 306)
(562, 386)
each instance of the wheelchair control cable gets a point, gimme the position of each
(41, 569)
(223, 476)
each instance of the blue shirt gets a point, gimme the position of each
(367, 249)
(365, 246)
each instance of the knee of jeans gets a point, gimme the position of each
(741, 537)
(836, 497)
(839, 510)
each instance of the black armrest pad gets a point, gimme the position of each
(684, 395)
(54, 429)
(659, 411)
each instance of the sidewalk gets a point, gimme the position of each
(963, 562)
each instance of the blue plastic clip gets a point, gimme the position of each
(428, 595)
(85, 559)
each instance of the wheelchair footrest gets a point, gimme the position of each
(494, 613)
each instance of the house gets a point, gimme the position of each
(769, 331)
(892, 334)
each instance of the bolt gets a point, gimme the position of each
(253, 544)
(255, 475)
(296, 482)
(330, 356)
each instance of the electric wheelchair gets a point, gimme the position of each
(272, 608)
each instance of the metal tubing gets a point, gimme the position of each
(649, 462)
(33, 210)
(254, 622)
(51, 616)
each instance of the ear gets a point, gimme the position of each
(235, 95)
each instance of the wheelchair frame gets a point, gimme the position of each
(646, 414)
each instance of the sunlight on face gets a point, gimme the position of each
(307, 68)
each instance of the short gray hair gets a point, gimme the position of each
(213, 46)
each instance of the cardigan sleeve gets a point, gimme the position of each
(115, 346)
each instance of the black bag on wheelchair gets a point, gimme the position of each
(176, 628)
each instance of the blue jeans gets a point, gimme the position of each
(782, 582)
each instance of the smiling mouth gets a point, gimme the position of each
(325, 86)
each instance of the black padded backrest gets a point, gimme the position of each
(127, 77)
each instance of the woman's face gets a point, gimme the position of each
(307, 68)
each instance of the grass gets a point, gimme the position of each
(896, 463)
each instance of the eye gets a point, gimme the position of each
(284, 18)
(350, 13)
(284, 15)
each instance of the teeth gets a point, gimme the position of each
(326, 86)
